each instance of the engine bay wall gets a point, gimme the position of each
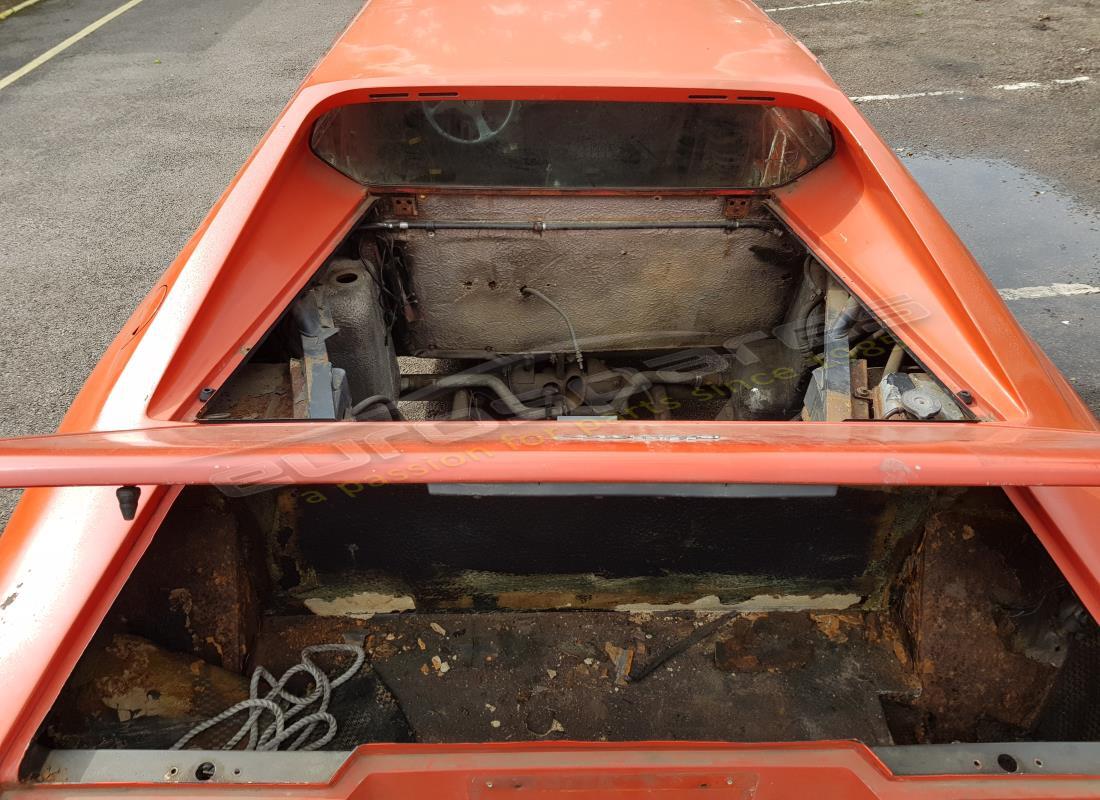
(490, 552)
(622, 289)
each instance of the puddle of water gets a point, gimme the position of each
(1022, 231)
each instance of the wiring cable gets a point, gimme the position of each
(527, 291)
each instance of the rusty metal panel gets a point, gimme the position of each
(497, 677)
(962, 605)
(258, 391)
(622, 289)
(127, 692)
(196, 590)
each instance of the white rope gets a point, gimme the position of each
(284, 706)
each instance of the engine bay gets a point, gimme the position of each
(495, 307)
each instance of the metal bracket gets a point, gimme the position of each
(404, 206)
(738, 207)
(837, 366)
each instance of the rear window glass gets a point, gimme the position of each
(571, 145)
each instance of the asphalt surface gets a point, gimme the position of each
(112, 152)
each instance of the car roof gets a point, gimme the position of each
(598, 43)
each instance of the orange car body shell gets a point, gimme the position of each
(67, 552)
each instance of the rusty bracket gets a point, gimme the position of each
(404, 206)
(738, 207)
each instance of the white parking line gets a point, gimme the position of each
(871, 98)
(1053, 290)
(1005, 87)
(814, 5)
(1015, 87)
(65, 45)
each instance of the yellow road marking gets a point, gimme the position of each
(16, 8)
(53, 51)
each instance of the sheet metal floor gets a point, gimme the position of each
(781, 676)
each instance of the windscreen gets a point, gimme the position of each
(571, 145)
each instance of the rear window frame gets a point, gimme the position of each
(512, 189)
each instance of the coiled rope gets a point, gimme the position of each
(285, 706)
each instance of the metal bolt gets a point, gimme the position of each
(206, 394)
(966, 397)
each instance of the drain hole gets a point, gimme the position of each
(1007, 762)
(347, 277)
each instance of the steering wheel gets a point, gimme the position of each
(472, 114)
